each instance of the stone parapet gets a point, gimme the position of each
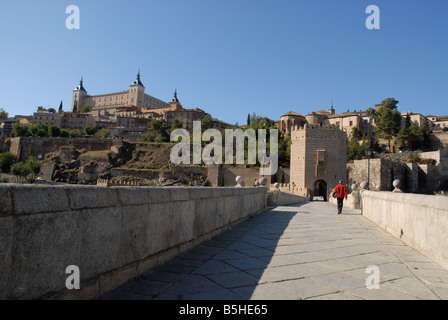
(421, 221)
(113, 234)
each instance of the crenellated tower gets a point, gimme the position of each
(318, 159)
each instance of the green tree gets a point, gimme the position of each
(372, 114)
(3, 114)
(160, 129)
(65, 133)
(254, 118)
(425, 132)
(355, 150)
(371, 141)
(176, 124)
(157, 125)
(407, 121)
(104, 133)
(356, 133)
(34, 166)
(7, 159)
(54, 131)
(408, 138)
(60, 111)
(284, 149)
(90, 130)
(147, 136)
(38, 130)
(20, 169)
(85, 109)
(20, 130)
(389, 120)
(75, 133)
(206, 123)
(30, 168)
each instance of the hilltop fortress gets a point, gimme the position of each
(108, 103)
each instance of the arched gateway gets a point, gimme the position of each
(320, 189)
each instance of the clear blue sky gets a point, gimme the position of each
(229, 57)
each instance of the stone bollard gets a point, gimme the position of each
(239, 182)
(276, 185)
(396, 185)
(355, 198)
(363, 185)
(355, 190)
(378, 187)
(263, 181)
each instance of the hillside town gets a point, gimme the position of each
(128, 114)
(109, 136)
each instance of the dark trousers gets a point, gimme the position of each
(340, 204)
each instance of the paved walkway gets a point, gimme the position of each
(297, 252)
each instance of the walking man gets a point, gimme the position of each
(341, 193)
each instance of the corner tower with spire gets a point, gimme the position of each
(174, 103)
(136, 92)
(79, 95)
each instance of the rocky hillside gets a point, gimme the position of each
(145, 163)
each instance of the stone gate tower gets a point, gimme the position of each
(318, 160)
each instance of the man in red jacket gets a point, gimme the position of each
(341, 193)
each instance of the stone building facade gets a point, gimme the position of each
(289, 121)
(318, 160)
(414, 177)
(79, 121)
(47, 118)
(345, 121)
(108, 103)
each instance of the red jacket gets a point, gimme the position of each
(341, 190)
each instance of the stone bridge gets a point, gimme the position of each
(218, 243)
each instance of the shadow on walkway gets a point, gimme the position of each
(304, 251)
(228, 267)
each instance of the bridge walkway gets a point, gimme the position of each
(295, 252)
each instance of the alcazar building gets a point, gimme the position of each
(108, 103)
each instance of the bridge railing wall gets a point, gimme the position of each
(111, 234)
(421, 221)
